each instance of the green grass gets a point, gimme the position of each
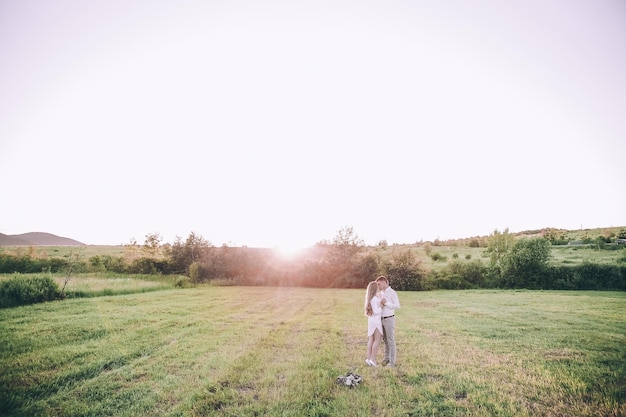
(576, 255)
(561, 255)
(94, 287)
(83, 252)
(461, 253)
(96, 284)
(246, 351)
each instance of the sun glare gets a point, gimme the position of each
(288, 252)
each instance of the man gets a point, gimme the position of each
(390, 302)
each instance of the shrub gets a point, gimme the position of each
(114, 264)
(147, 266)
(592, 276)
(404, 272)
(10, 264)
(96, 263)
(183, 282)
(28, 290)
(439, 257)
(460, 275)
(198, 272)
(444, 281)
(526, 263)
(588, 276)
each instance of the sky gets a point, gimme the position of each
(277, 123)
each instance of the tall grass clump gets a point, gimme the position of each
(28, 290)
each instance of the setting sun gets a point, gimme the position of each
(288, 251)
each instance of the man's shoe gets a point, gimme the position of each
(385, 362)
(390, 365)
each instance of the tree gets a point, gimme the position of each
(526, 264)
(342, 258)
(498, 247)
(346, 244)
(404, 272)
(369, 267)
(131, 250)
(152, 245)
(71, 264)
(555, 236)
(183, 254)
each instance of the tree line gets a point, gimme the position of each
(344, 262)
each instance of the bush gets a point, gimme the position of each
(183, 282)
(114, 264)
(147, 266)
(588, 276)
(526, 264)
(474, 243)
(404, 272)
(28, 290)
(443, 280)
(592, 276)
(459, 275)
(10, 264)
(438, 257)
(198, 272)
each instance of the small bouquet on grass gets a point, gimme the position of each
(351, 380)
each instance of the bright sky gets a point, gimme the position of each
(276, 123)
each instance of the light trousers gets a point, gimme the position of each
(389, 337)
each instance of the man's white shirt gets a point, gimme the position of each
(392, 302)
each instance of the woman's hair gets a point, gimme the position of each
(372, 289)
(382, 278)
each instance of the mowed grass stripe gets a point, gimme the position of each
(535, 352)
(135, 331)
(290, 370)
(277, 351)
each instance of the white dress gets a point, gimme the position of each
(375, 320)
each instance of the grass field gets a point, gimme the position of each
(561, 255)
(250, 351)
(95, 284)
(83, 252)
(92, 285)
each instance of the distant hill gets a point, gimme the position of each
(37, 239)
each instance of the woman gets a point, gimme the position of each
(373, 311)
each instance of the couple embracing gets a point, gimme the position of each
(380, 303)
